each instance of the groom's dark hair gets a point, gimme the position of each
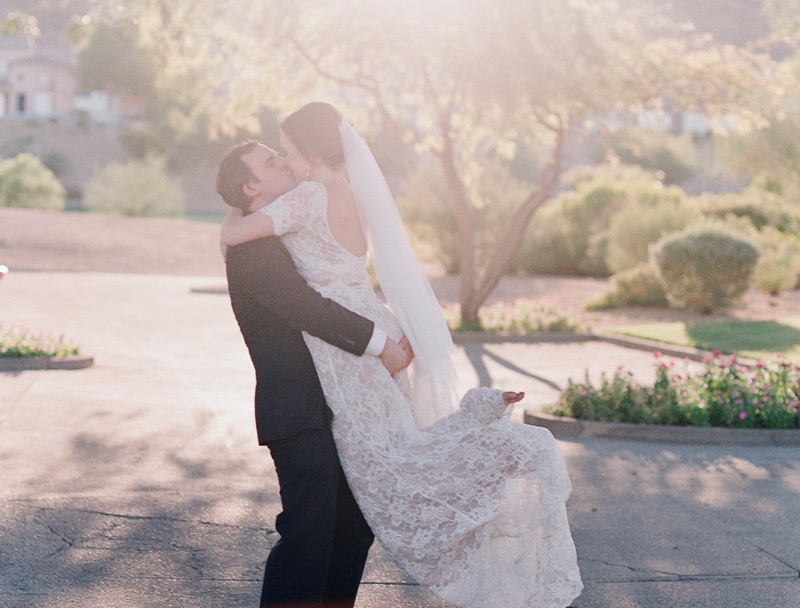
(233, 173)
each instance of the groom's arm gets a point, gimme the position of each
(265, 271)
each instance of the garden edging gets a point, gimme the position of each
(561, 426)
(671, 350)
(18, 364)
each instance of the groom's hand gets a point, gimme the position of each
(395, 357)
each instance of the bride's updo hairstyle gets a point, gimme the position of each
(314, 129)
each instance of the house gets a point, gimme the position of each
(36, 80)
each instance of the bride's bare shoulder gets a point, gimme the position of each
(340, 194)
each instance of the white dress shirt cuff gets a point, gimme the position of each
(376, 342)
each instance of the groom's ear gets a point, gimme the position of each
(250, 190)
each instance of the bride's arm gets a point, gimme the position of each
(238, 228)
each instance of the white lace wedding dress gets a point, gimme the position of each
(472, 507)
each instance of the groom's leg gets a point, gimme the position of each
(309, 476)
(351, 543)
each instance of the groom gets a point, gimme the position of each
(324, 540)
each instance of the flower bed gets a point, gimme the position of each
(721, 393)
(518, 317)
(17, 341)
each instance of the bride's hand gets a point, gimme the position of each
(406, 346)
(510, 397)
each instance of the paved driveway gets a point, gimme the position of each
(138, 482)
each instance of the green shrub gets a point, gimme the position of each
(570, 236)
(637, 286)
(634, 228)
(560, 235)
(137, 188)
(706, 267)
(780, 261)
(761, 206)
(26, 182)
(520, 316)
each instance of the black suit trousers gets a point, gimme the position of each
(324, 539)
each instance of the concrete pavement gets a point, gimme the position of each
(138, 482)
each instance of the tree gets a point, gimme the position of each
(784, 16)
(114, 59)
(20, 23)
(463, 82)
(496, 78)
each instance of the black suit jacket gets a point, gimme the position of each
(273, 304)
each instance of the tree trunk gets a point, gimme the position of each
(466, 229)
(502, 253)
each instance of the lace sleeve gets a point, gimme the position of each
(291, 211)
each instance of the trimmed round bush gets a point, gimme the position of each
(136, 188)
(706, 267)
(25, 182)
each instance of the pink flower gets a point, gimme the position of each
(658, 354)
(742, 415)
(716, 353)
(707, 359)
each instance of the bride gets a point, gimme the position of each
(464, 500)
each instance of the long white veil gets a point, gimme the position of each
(404, 284)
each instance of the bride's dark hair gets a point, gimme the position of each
(314, 129)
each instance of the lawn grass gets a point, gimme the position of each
(753, 339)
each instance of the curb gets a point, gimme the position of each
(566, 337)
(477, 337)
(564, 427)
(220, 290)
(18, 364)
